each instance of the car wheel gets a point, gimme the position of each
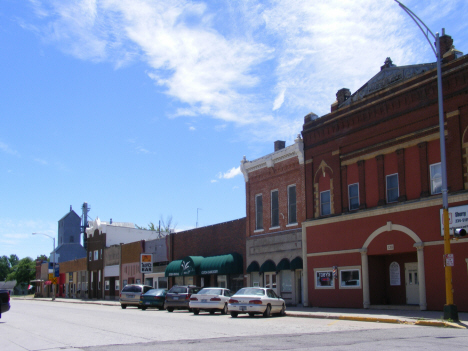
(143, 308)
(234, 314)
(123, 306)
(267, 312)
(251, 314)
(196, 312)
(170, 309)
(283, 311)
(225, 309)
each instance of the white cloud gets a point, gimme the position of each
(235, 171)
(192, 128)
(6, 149)
(41, 161)
(213, 181)
(268, 65)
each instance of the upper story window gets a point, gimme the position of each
(353, 195)
(325, 204)
(292, 204)
(90, 255)
(274, 209)
(258, 212)
(392, 188)
(436, 178)
(96, 255)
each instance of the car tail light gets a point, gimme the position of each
(188, 296)
(8, 296)
(256, 302)
(157, 297)
(193, 299)
(120, 295)
(215, 299)
(233, 301)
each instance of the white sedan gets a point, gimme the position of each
(256, 301)
(210, 299)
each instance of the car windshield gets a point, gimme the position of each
(131, 288)
(178, 290)
(155, 292)
(211, 291)
(251, 291)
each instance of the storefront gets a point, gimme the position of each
(216, 271)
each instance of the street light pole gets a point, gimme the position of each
(450, 310)
(53, 285)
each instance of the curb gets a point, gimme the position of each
(426, 323)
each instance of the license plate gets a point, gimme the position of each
(204, 300)
(130, 296)
(175, 298)
(147, 303)
(243, 308)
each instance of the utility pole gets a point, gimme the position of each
(450, 310)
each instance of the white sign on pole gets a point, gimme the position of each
(458, 218)
(449, 260)
(146, 263)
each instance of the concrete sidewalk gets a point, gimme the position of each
(403, 316)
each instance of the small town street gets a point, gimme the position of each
(46, 325)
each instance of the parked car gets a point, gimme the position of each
(256, 301)
(210, 299)
(4, 301)
(153, 298)
(130, 294)
(178, 298)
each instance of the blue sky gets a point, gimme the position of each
(145, 108)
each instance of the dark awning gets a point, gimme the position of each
(223, 264)
(283, 265)
(268, 266)
(296, 263)
(173, 269)
(253, 267)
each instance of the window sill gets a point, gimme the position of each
(273, 228)
(324, 287)
(291, 225)
(258, 230)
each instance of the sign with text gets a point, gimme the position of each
(449, 260)
(146, 263)
(458, 218)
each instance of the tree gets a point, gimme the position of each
(13, 259)
(167, 226)
(4, 267)
(23, 272)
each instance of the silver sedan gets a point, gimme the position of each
(256, 301)
(210, 299)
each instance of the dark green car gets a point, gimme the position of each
(153, 298)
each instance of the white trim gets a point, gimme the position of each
(292, 225)
(326, 269)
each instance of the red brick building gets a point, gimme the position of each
(373, 189)
(275, 206)
(208, 256)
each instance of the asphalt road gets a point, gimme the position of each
(46, 326)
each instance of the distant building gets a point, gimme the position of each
(69, 246)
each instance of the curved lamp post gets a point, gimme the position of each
(450, 310)
(53, 285)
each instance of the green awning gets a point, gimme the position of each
(191, 265)
(253, 267)
(283, 265)
(268, 266)
(223, 264)
(173, 269)
(296, 263)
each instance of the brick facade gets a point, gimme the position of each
(385, 138)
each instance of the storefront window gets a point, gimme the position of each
(149, 281)
(107, 285)
(188, 280)
(124, 282)
(222, 281)
(117, 284)
(286, 281)
(350, 278)
(324, 279)
(162, 283)
(179, 280)
(255, 279)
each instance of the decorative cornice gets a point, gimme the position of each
(295, 150)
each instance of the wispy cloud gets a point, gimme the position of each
(235, 171)
(192, 128)
(270, 64)
(7, 149)
(41, 161)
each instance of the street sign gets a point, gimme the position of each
(53, 280)
(57, 270)
(449, 260)
(51, 276)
